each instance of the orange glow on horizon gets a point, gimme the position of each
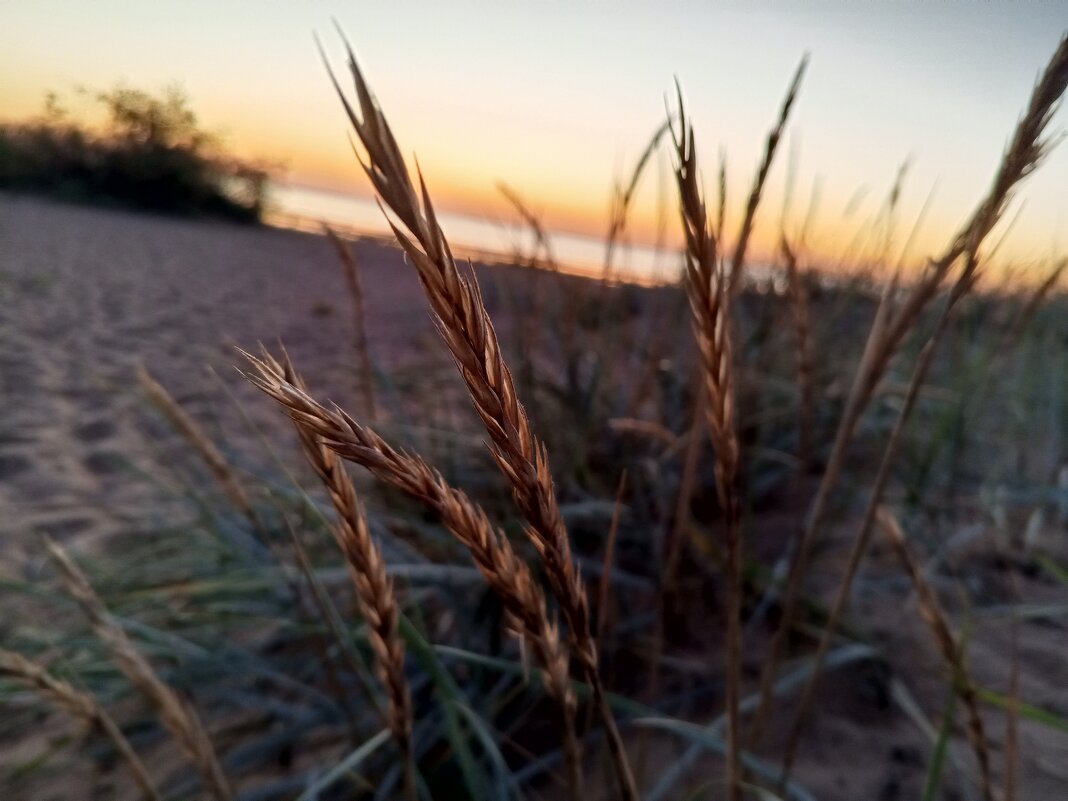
(513, 95)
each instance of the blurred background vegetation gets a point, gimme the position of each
(147, 151)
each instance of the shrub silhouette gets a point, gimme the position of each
(149, 153)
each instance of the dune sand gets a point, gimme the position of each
(87, 295)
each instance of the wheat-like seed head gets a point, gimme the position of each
(75, 703)
(526, 611)
(374, 588)
(935, 617)
(894, 320)
(178, 718)
(710, 300)
(505, 572)
(225, 474)
(468, 332)
(706, 285)
(80, 705)
(1026, 150)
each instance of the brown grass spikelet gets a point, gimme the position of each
(948, 646)
(467, 330)
(374, 588)
(80, 705)
(177, 717)
(507, 574)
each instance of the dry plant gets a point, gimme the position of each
(896, 319)
(721, 208)
(504, 571)
(359, 319)
(710, 299)
(178, 717)
(1034, 301)
(735, 277)
(220, 468)
(468, 331)
(610, 344)
(741, 245)
(663, 470)
(374, 589)
(78, 705)
(1012, 719)
(542, 256)
(948, 646)
(797, 293)
(623, 198)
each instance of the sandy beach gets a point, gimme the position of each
(88, 295)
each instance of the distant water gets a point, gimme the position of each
(301, 207)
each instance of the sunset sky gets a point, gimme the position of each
(558, 99)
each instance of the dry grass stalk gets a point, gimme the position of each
(541, 236)
(772, 144)
(935, 617)
(218, 465)
(359, 319)
(1012, 718)
(798, 297)
(79, 705)
(893, 323)
(611, 347)
(1024, 154)
(468, 331)
(319, 603)
(570, 300)
(506, 573)
(622, 200)
(706, 284)
(694, 439)
(374, 588)
(964, 283)
(178, 718)
(609, 558)
(1027, 313)
(721, 210)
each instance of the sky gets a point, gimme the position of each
(558, 100)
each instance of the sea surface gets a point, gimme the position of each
(493, 239)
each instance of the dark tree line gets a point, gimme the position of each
(149, 152)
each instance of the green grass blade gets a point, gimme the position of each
(348, 764)
(450, 696)
(938, 758)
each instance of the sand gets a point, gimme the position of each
(89, 294)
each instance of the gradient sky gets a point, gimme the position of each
(557, 100)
